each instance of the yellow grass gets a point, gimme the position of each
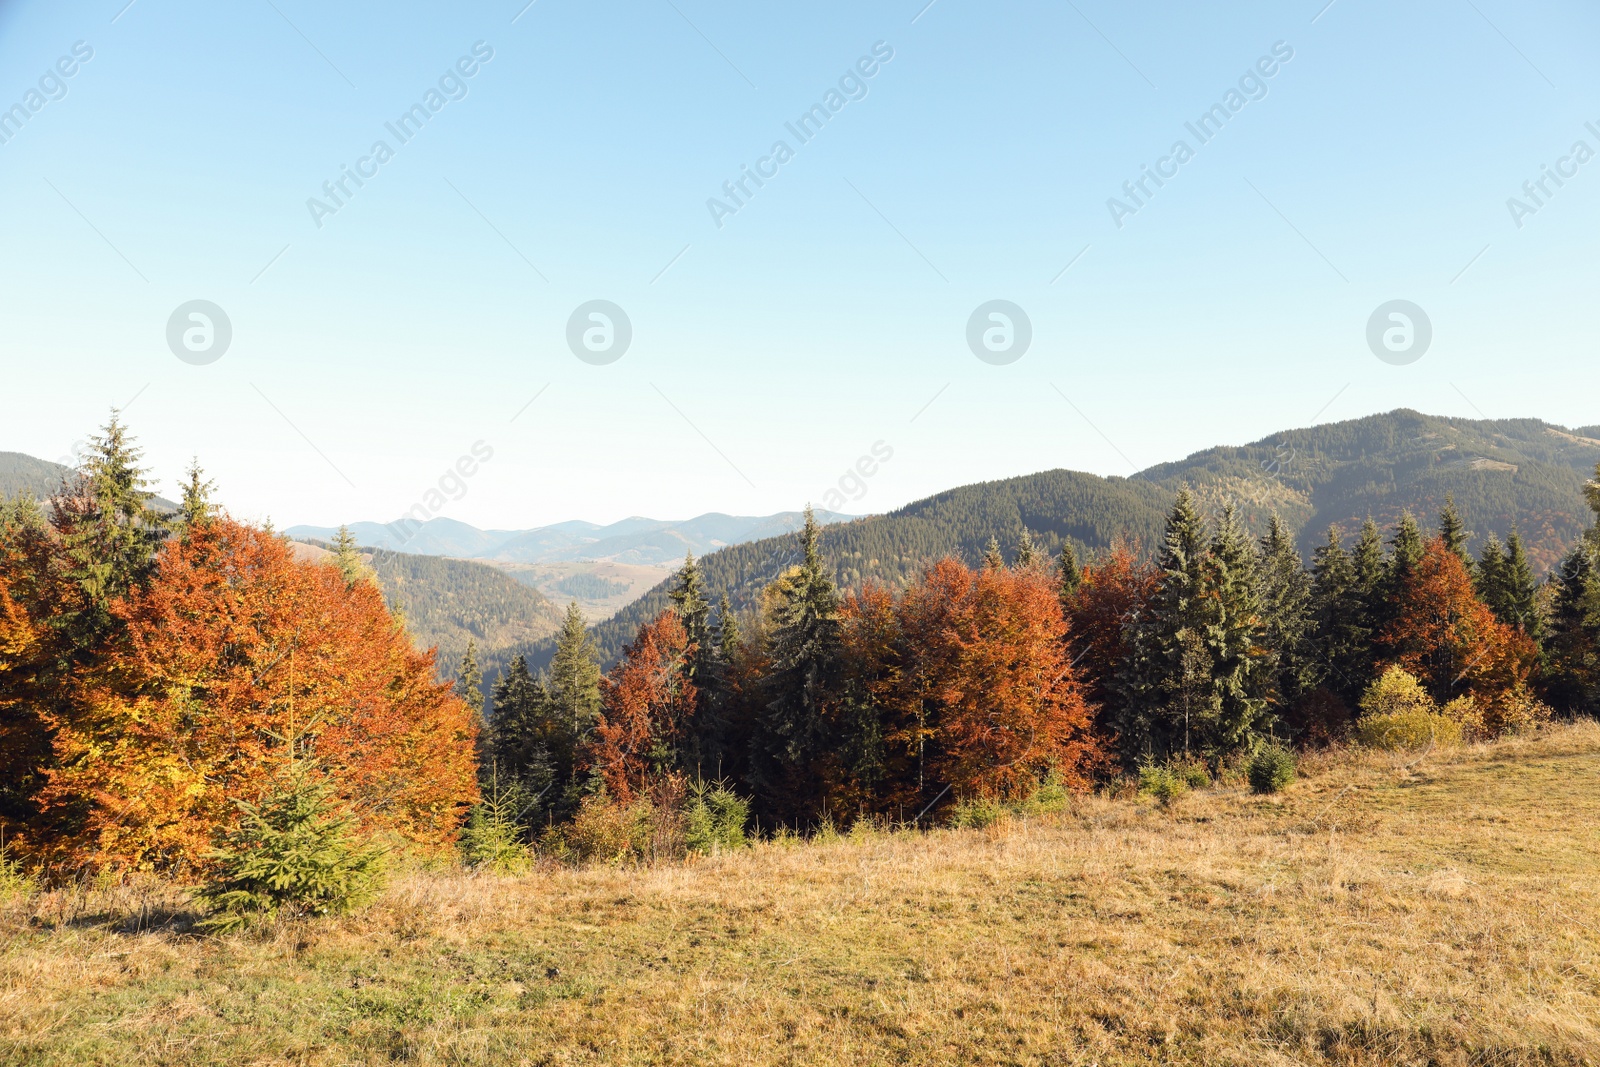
(1377, 913)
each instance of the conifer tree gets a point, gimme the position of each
(1574, 640)
(347, 557)
(728, 638)
(527, 747)
(1454, 531)
(469, 683)
(575, 678)
(1071, 575)
(992, 559)
(1027, 553)
(1521, 591)
(1241, 665)
(1489, 578)
(1286, 612)
(688, 596)
(802, 685)
(1405, 551)
(196, 506)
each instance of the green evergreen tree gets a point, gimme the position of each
(528, 745)
(688, 596)
(1289, 629)
(1521, 590)
(574, 703)
(1489, 577)
(1162, 699)
(804, 681)
(1339, 607)
(347, 557)
(1242, 666)
(108, 532)
(1071, 574)
(1027, 552)
(196, 507)
(1454, 531)
(729, 642)
(469, 687)
(1405, 550)
(1574, 639)
(992, 557)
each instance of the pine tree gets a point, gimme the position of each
(1286, 612)
(1027, 553)
(1454, 531)
(992, 558)
(108, 532)
(1168, 643)
(802, 685)
(1241, 665)
(1071, 575)
(347, 557)
(1521, 591)
(196, 507)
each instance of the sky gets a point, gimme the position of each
(383, 338)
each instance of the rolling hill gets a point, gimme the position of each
(1500, 472)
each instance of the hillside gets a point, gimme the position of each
(1501, 472)
(1384, 910)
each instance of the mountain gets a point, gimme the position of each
(23, 474)
(1500, 472)
(637, 541)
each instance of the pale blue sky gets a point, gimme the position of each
(823, 316)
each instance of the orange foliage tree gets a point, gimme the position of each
(646, 703)
(232, 647)
(1111, 592)
(1442, 633)
(986, 679)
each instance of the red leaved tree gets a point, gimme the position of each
(1112, 591)
(646, 703)
(232, 647)
(1451, 640)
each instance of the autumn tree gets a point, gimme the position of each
(647, 703)
(230, 645)
(1108, 600)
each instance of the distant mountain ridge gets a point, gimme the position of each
(636, 540)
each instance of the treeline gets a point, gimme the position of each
(989, 681)
(160, 671)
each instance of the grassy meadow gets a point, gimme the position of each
(1385, 909)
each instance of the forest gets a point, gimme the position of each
(178, 691)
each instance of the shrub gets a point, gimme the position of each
(1396, 692)
(975, 813)
(1051, 795)
(492, 840)
(14, 881)
(1193, 773)
(605, 830)
(1513, 712)
(715, 818)
(1271, 769)
(291, 851)
(1408, 729)
(1162, 782)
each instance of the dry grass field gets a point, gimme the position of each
(1376, 913)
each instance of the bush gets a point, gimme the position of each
(975, 813)
(605, 830)
(1271, 769)
(715, 818)
(1051, 795)
(1396, 692)
(1162, 782)
(1515, 711)
(1193, 774)
(291, 851)
(492, 840)
(1407, 730)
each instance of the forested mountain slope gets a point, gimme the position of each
(1500, 472)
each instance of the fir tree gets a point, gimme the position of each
(575, 675)
(196, 507)
(1339, 606)
(1286, 613)
(1454, 531)
(469, 683)
(1168, 644)
(1489, 577)
(728, 640)
(347, 557)
(1242, 666)
(1071, 574)
(1574, 639)
(1405, 551)
(992, 559)
(1027, 553)
(527, 747)
(688, 596)
(802, 685)
(1521, 591)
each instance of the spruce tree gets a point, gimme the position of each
(1489, 577)
(1241, 667)
(469, 684)
(1454, 531)
(1405, 550)
(527, 746)
(688, 596)
(1574, 639)
(1286, 613)
(804, 681)
(1027, 553)
(1339, 610)
(347, 557)
(108, 532)
(992, 558)
(1071, 575)
(1168, 646)
(1521, 591)
(575, 677)
(196, 507)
